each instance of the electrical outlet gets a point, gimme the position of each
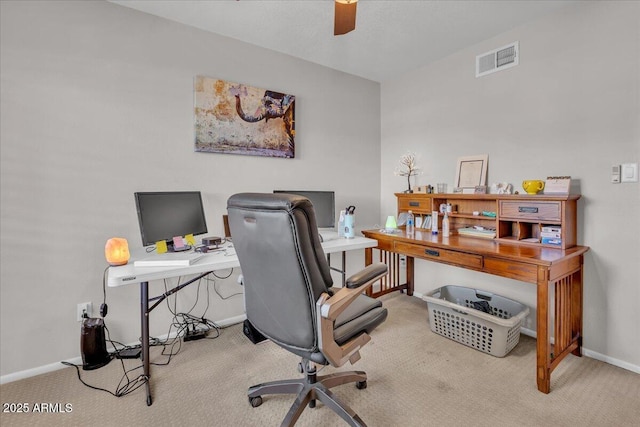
(83, 307)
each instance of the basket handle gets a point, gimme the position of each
(484, 295)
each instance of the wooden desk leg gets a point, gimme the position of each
(368, 260)
(576, 308)
(144, 318)
(543, 344)
(410, 275)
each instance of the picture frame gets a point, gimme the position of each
(471, 172)
(480, 189)
(235, 118)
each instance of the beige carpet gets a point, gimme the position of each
(416, 378)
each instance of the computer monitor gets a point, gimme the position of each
(165, 215)
(324, 204)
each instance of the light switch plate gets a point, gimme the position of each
(629, 172)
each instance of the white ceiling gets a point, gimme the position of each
(391, 37)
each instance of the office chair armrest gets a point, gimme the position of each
(373, 271)
(330, 308)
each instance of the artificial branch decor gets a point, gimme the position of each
(407, 167)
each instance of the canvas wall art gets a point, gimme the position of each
(233, 118)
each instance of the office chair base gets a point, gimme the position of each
(308, 390)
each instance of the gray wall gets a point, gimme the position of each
(572, 107)
(97, 103)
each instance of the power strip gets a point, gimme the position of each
(195, 335)
(129, 353)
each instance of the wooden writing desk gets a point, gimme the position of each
(560, 269)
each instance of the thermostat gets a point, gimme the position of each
(615, 174)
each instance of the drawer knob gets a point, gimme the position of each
(431, 252)
(414, 204)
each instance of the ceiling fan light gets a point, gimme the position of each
(345, 16)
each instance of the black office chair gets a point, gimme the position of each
(289, 298)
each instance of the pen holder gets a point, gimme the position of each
(349, 224)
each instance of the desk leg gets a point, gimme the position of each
(567, 311)
(410, 260)
(576, 308)
(368, 260)
(144, 318)
(343, 271)
(543, 345)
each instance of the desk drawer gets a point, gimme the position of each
(541, 211)
(417, 204)
(440, 255)
(511, 269)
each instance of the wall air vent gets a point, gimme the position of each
(497, 60)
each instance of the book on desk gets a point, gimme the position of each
(484, 233)
(169, 259)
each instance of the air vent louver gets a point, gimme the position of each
(497, 60)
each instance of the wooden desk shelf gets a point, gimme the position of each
(519, 219)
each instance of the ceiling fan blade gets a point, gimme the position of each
(345, 16)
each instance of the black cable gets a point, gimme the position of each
(182, 322)
(124, 387)
(129, 387)
(215, 288)
(103, 307)
(225, 277)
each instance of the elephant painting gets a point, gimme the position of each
(238, 119)
(274, 105)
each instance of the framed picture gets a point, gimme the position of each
(234, 118)
(480, 189)
(471, 172)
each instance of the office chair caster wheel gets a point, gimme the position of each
(361, 385)
(255, 401)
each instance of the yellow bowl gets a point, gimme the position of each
(533, 186)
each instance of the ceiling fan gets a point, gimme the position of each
(345, 16)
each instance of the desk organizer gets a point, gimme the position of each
(478, 319)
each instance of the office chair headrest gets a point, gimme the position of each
(268, 201)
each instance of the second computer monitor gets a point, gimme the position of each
(324, 204)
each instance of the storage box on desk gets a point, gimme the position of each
(478, 319)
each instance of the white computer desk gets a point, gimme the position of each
(213, 261)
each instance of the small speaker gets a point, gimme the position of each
(252, 333)
(93, 345)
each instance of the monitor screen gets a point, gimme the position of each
(324, 204)
(165, 215)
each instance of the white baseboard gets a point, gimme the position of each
(28, 373)
(585, 351)
(238, 319)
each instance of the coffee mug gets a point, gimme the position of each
(533, 186)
